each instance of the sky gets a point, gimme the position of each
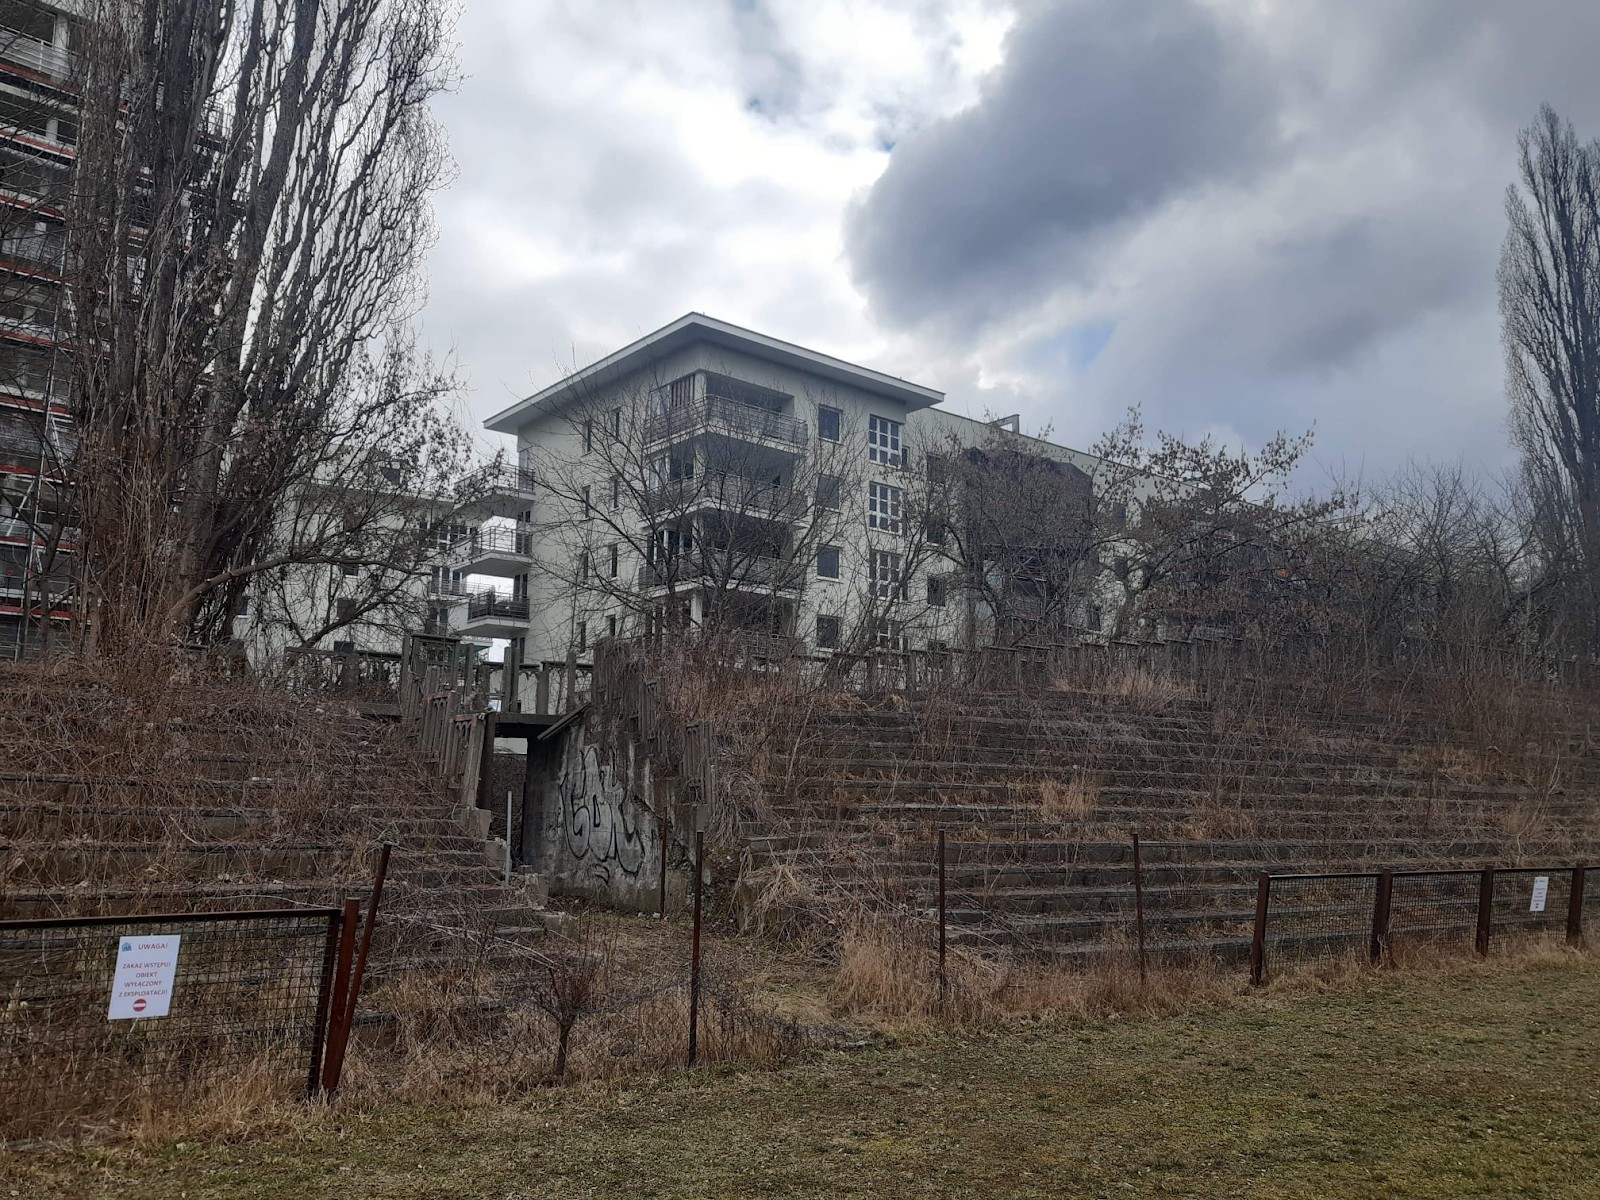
(1240, 215)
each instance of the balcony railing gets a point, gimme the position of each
(33, 54)
(495, 541)
(756, 497)
(447, 588)
(719, 414)
(502, 479)
(722, 567)
(485, 605)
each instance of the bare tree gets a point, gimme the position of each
(247, 223)
(1550, 313)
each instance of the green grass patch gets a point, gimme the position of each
(1483, 1081)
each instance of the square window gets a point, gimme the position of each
(887, 583)
(344, 608)
(829, 422)
(827, 633)
(830, 492)
(828, 562)
(936, 592)
(883, 441)
(883, 507)
(349, 568)
(891, 634)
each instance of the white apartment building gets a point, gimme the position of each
(709, 474)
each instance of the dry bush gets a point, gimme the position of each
(1073, 800)
(1146, 691)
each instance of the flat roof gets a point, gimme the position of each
(697, 327)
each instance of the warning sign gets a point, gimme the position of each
(142, 984)
(1541, 889)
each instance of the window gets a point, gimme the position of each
(583, 565)
(446, 582)
(830, 491)
(936, 468)
(244, 606)
(883, 507)
(616, 490)
(611, 625)
(616, 424)
(1119, 514)
(344, 647)
(828, 562)
(519, 587)
(934, 530)
(344, 608)
(827, 632)
(588, 435)
(588, 507)
(891, 634)
(349, 568)
(1096, 618)
(829, 422)
(616, 559)
(936, 592)
(883, 441)
(583, 636)
(886, 581)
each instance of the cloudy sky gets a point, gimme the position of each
(1243, 215)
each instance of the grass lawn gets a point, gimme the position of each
(1483, 1082)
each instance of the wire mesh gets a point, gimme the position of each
(1523, 907)
(1318, 917)
(246, 1002)
(1434, 908)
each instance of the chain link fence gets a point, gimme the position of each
(100, 1015)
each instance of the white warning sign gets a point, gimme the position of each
(142, 984)
(1541, 889)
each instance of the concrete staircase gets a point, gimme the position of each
(1041, 794)
(225, 797)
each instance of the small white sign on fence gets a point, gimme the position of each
(1541, 888)
(142, 983)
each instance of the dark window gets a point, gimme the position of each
(344, 608)
(611, 625)
(616, 423)
(936, 468)
(829, 421)
(583, 564)
(615, 560)
(936, 595)
(828, 562)
(616, 490)
(588, 508)
(588, 435)
(934, 531)
(344, 647)
(830, 491)
(349, 568)
(244, 606)
(827, 633)
(583, 635)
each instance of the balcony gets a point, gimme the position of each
(501, 491)
(502, 552)
(494, 614)
(30, 53)
(720, 568)
(730, 493)
(731, 418)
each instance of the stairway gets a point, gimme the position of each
(1040, 795)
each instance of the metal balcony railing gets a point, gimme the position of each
(720, 414)
(30, 52)
(722, 567)
(506, 478)
(495, 541)
(491, 604)
(754, 497)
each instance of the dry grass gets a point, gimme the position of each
(1075, 799)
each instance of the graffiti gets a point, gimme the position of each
(603, 831)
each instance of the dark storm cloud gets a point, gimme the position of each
(1284, 213)
(1102, 110)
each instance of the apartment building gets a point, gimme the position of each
(38, 132)
(714, 477)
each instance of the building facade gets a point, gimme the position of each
(713, 478)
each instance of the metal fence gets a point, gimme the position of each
(1372, 915)
(244, 995)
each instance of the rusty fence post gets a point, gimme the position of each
(1138, 904)
(1381, 905)
(348, 923)
(694, 954)
(944, 980)
(334, 1066)
(319, 1026)
(1575, 907)
(1258, 939)
(1485, 912)
(666, 843)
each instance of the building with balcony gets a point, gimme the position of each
(38, 135)
(714, 477)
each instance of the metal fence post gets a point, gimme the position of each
(944, 980)
(1380, 915)
(341, 986)
(1575, 907)
(319, 1025)
(1138, 903)
(694, 955)
(1485, 912)
(1258, 940)
(666, 844)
